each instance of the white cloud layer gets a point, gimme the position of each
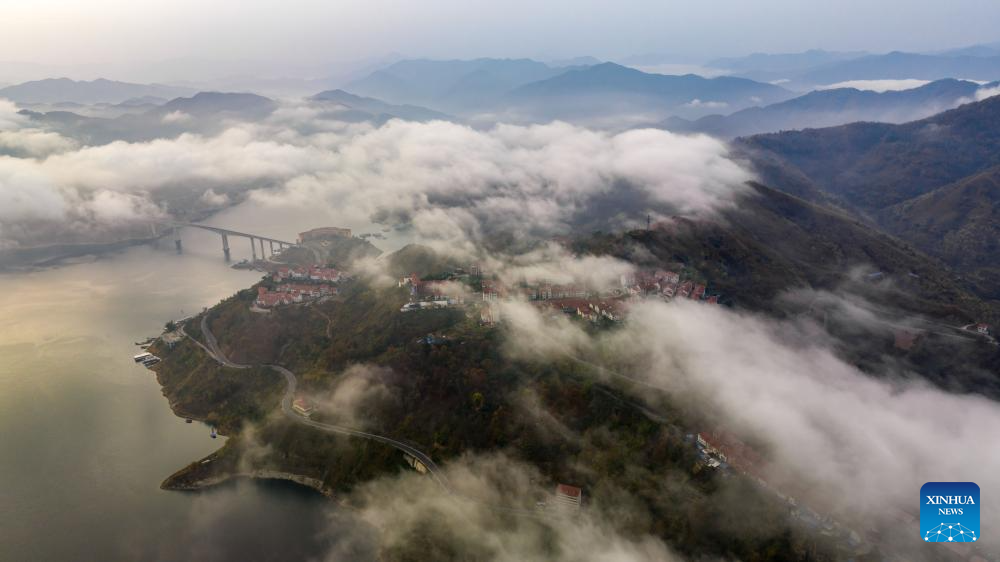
(878, 85)
(860, 446)
(442, 178)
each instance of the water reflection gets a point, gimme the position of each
(87, 437)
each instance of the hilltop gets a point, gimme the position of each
(56, 90)
(902, 176)
(838, 106)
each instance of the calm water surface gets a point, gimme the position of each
(86, 437)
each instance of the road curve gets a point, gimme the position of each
(212, 348)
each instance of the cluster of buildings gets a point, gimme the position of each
(429, 293)
(611, 304)
(719, 447)
(313, 273)
(291, 293)
(298, 284)
(665, 284)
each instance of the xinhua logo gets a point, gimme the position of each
(949, 512)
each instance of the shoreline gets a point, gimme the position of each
(42, 257)
(180, 481)
(184, 480)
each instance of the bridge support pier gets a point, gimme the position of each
(225, 246)
(271, 244)
(262, 256)
(177, 241)
(253, 248)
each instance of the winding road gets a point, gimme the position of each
(212, 348)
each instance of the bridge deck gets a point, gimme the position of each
(228, 232)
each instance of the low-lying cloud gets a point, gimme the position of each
(442, 179)
(414, 518)
(861, 447)
(878, 85)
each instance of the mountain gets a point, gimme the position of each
(452, 85)
(767, 66)
(773, 242)
(219, 104)
(55, 90)
(897, 65)
(987, 50)
(827, 108)
(205, 113)
(959, 223)
(875, 165)
(932, 182)
(609, 88)
(378, 109)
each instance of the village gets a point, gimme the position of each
(298, 284)
(605, 305)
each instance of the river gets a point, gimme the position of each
(87, 436)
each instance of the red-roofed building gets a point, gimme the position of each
(576, 307)
(327, 274)
(266, 299)
(732, 451)
(302, 407)
(493, 290)
(568, 497)
(684, 290)
(612, 309)
(698, 292)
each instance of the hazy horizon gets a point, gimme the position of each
(305, 39)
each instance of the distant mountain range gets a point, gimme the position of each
(452, 85)
(898, 65)
(931, 182)
(987, 50)
(768, 65)
(827, 108)
(56, 90)
(374, 109)
(219, 105)
(811, 69)
(611, 89)
(204, 112)
(524, 90)
(211, 112)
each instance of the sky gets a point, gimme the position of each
(317, 32)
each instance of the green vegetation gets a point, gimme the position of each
(932, 182)
(453, 398)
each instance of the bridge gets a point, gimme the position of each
(255, 239)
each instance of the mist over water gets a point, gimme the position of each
(87, 436)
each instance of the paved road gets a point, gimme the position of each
(211, 347)
(291, 381)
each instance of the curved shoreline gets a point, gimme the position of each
(179, 483)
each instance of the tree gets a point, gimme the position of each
(478, 400)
